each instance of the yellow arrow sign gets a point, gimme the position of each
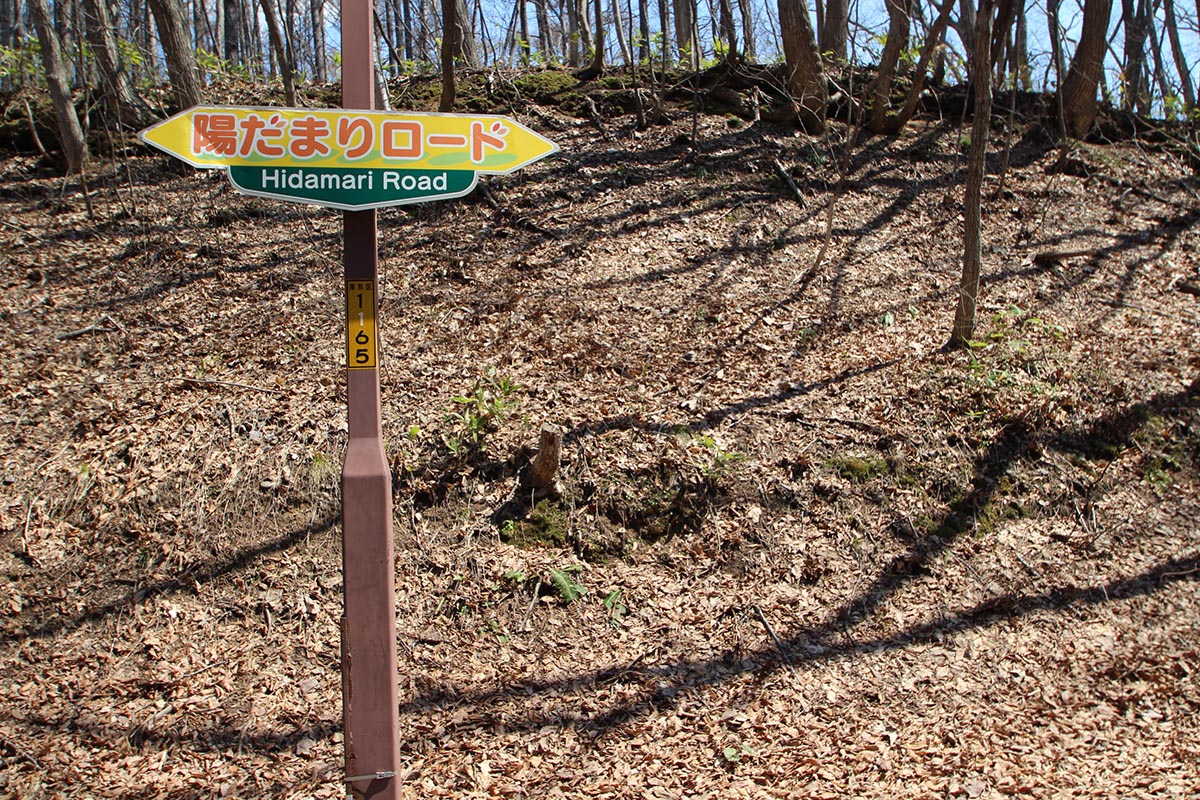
(219, 137)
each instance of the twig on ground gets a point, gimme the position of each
(25, 530)
(207, 382)
(19, 229)
(787, 178)
(774, 638)
(96, 327)
(537, 587)
(21, 752)
(1050, 256)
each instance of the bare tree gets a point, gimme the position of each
(451, 33)
(899, 16)
(316, 9)
(981, 81)
(1135, 15)
(728, 30)
(835, 29)
(127, 108)
(282, 56)
(748, 48)
(686, 39)
(806, 78)
(177, 48)
(1079, 88)
(622, 41)
(545, 39)
(70, 132)
(933, 39)
(1177, 54)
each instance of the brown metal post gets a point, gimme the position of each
(369, 693)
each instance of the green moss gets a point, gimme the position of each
(859, 469)
(545, 86)
(545, 526)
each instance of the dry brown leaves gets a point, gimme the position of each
(982, 566)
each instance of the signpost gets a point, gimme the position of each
(348, 159)
(358, 160)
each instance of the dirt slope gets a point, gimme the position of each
(981, 567)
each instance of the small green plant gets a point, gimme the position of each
(715, 460)
(615, 608)
(478, 414)
(565, 585)
(733, 754)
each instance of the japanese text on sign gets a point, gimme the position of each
(278, 135)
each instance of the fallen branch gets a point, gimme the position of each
(787, 178)
(96, 327)
(1050, 256)
(207, 382)
(537, 587)
(21, 752)
(774, 638)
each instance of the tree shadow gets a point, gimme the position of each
(661, 685)
(184, 581)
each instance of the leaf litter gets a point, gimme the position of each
(980, 566)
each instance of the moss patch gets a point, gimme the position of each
(859, 469)
(546, 525)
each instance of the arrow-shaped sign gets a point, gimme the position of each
(345, 158)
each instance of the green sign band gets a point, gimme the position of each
(352, 189)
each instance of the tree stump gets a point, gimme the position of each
(542, 475)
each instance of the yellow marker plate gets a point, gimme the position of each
(361, 339)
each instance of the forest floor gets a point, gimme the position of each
(817, 555)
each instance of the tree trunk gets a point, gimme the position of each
(622, 42)
(966, 28)
(281, 55)
(574, 34)
(127, 108)
(320, 45)
(545, 41)
(932, 40)
(806, 79)
(1024, 79)
(523, 21)
(177, 47)
(899, 16)
(70, 132)
(465, 48)
(685, 38)
(968, 289)
(644, 31)
(596, 68)
(748, 49)
(664, 25)
(231, 31)
(1134, 15)
(1181, 66)
(728, 30)
(1079, 89)
(451, 32)
(835, 30)
(1160, 71)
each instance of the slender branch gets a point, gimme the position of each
(207, 382)
(774, 638)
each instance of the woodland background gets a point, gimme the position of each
(801, 547)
